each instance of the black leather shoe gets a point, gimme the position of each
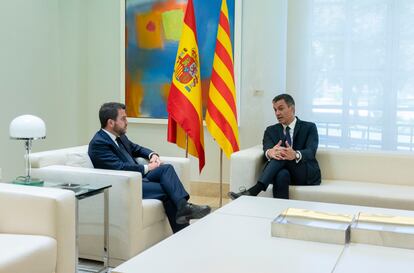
(191, 211)
(234, 195)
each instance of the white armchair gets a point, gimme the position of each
(245, 167)
(134, 224)
(37, 230)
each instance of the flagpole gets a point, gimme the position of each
(221, 178)
(186, 145)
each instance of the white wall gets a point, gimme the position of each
(30, 79)
(64, 58)
(296, 55)
(263, 65)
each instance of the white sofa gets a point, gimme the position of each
(37, 230)
(374, 178)
(134, 224)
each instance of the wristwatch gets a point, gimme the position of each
(297, 155)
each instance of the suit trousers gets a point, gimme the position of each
(282, 173)
(163, 184)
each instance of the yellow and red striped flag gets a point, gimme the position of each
(184, 104)
(221, 116)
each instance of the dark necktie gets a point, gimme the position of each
(124, 151)
(287, 134)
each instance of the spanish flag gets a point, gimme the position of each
(221, 116)
(184, 104)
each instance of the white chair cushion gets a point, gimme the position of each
(80, 159)
(153, 212)
(357, 193)
(141, 160)
(27, 253)
(353, 192)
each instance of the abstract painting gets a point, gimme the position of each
(153, 30)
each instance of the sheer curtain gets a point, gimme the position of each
(351, 65)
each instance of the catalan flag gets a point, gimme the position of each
(184, 104)
(221, 116)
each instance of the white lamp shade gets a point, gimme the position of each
(27, 127)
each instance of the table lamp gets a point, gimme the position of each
(27, 128)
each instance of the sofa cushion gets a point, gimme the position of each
(357, 193)
(27, 253)
(153, 211)
(369, 166)
(54, 157)
(80, 159)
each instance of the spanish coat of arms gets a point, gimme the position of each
(186, 71)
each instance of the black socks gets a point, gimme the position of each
(256, 189)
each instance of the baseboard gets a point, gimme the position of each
(208, 189)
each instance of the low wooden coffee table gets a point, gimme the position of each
(237, 238)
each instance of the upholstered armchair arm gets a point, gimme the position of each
(41, 211)
(182, 168)
(245, 167)
(125, 196)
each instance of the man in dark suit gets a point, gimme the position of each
(111, 149)
(289, 147)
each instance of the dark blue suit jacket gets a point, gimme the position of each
(105, 154)
(305, 140)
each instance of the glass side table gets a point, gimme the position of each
(83, 191)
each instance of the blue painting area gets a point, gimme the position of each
(207, 16)
(158, 71)
(156, 66)
(153, 106)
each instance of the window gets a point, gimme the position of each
(359, 76)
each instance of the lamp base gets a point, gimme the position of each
(28, 181)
